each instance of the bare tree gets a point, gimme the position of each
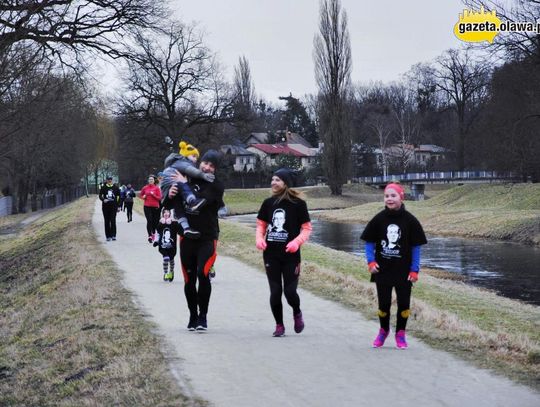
(244, 97)
(174, 82)
(519, 44)
(463, 80)
(76, 26)
(333, 65)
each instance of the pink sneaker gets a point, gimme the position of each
(298, 323)
(381, 337)
(401, 340)
(280, 330)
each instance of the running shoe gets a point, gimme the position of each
(381, 337)
(280, 330)
(113, 238)
(108, 239)
(201, 323)
(298, 323)
(401, 340)
(192, 324)
(212, 272)
(168, 276)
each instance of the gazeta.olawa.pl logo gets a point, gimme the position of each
(478, 26)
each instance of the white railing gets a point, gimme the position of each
(441, 176)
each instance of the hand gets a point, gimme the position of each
(178, 177)
(292, 247)
(373, 267)
(260, 244)
(413, 276)
(173, 191)
(209, 177)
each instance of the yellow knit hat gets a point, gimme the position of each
(187, 149)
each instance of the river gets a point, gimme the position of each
(510, 269)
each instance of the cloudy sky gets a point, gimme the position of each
(276, 36)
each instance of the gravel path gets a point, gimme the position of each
(238, 363)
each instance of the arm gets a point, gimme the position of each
(415, 264)
(373, 267)
(260, 241)
(294, 245)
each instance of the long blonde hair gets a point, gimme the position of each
(289, 194)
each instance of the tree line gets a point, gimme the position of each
(55, 128)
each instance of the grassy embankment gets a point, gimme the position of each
(476, 324)
(503, 212)
(69, 331)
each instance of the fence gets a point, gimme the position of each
(448, 176)
(49, 199)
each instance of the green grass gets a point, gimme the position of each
(70, 332)
(241, 201)
(479, 326)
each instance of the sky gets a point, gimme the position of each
(276, 36)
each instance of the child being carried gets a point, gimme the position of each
(185, 163)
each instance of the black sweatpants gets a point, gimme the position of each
(282, 277)
(384, 295)
(197, 257)
(152, 219)
(109, 216)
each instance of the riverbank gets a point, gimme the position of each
(502, 212)
(475, 324)
(70, 332)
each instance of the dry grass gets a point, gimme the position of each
(476, 324)
(70, 333)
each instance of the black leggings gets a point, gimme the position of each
(129, 209)
(197, 257)
(152, 219)
(276, 270)
(384, 295)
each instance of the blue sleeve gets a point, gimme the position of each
(370, 251)
(415, 261)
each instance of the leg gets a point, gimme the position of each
(165, 267)
(188, 261)
(113, 223)
(403, 294)
(155, 219)
(273, 273)
(384, 295)
(206, 256)
(148, 216)
(291, 273)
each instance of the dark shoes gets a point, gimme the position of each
(202, 325)
(280, 330)
(298, 323)
(192, 324)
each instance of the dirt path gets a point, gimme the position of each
(237, 362)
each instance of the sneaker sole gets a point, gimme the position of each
(201, 328)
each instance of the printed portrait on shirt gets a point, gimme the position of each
(276, 231)
(391, 246)
(166, 242)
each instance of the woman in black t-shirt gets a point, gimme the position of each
(283, 225)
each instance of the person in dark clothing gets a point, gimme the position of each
(167, 232)
(198, 256)
(283, 225)
(128, 202)
(393, 239)
(109, 194)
